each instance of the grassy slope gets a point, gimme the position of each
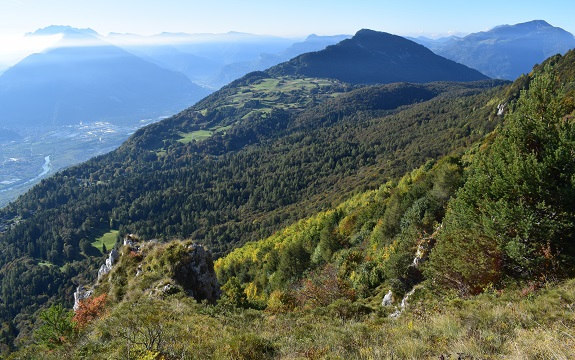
(108, 239)
(515, 324)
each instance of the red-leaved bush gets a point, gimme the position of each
(89, 310)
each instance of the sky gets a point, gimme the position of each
(286, 18)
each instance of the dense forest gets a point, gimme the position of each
(298, 186)
(247, 173)
(477, 243)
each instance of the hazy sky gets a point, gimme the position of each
(288, 18)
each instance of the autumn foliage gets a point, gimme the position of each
(89, 310)
(323, 287)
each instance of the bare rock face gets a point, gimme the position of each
(387, 299)
(110, 261)
(195, 273)
(80, 294)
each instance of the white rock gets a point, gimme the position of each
(387, 299)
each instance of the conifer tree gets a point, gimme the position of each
(514, 216)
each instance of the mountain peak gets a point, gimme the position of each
(539, 23)
(371, 57)
(507, 51)
(62, 29)
(536, 24)
(367, 32)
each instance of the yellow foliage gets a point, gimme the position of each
(278, 302)
(252, 291)
(388, 250)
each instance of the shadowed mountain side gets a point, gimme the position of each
(372, 57)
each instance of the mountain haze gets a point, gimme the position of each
(86, 79)
(217, 59)
(265, 60)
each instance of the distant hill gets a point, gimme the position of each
(372, 57)
(312, 43)
(215, 60)
(236, 70)
(506, 51)
(86, 79)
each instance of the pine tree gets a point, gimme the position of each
(514, 216)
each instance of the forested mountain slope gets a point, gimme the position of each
(254, 172)
(499, 215)
(470, 256)
(260, 154)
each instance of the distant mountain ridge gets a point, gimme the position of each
(372, 57)
(506, 51)
(61, 29)
(215, 60)
(312, 43)
(71, 83)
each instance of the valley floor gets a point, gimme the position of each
(23, 162)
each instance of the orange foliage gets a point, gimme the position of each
(89, 310)
(322, 287)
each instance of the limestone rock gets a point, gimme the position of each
(501, 109)
(110, 261)
(80, 294)
(195, 273)
(387, 299)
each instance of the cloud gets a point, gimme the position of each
(13, 48)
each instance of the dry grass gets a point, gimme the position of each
(512, 325)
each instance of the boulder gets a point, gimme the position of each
(80, 294)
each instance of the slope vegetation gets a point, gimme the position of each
(258, 155)
(441, 244)
(265, 171)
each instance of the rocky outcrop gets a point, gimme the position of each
(195, 273)
(501, 109)
(80, 294)
(177, 266)
(387, 299)
(402, 305)
(110, 261)
(190, 271)
(414, 275)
